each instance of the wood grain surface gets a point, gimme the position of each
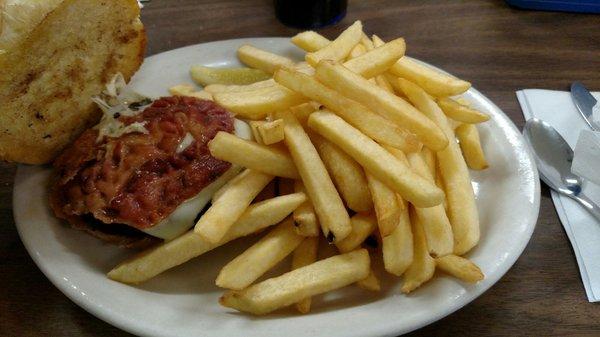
(498, 48)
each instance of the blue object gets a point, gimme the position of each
(581, 6)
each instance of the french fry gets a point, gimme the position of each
(387, 207)
(260, 257)
(462, 210)
(154, 261)
(304, 68)
(378, 60)
(258, 103)
(310, 41)
(460, 112)
(328, 205)
(383, 83)
(468, 137)
(358, 50)
(237, 76)
(302, 111)
(255, 133)
(381, 80)
(305, 254)
(305, 217)
(429, 157)
(271, 132)
(459, 267)
(189, 90)
(339, 48)
(230, 182)
(249, 154)
(317, 278)
(376, 160)
(434, 82)
(217, 88)
(370, 123)
(261, 59)
(365, 41)
(437, 228)
(371, 283)
(439, 182)
(389, 105)
(422, 268)
(348, 177)
(363, 224)
(228, 208)
(397, 247)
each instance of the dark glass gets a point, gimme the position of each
(310, 13)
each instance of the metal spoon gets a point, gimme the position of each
(553, 157)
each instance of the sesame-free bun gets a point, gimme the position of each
(53, 57)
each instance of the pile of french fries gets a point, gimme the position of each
(369, 144)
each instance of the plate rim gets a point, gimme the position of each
(382, 330)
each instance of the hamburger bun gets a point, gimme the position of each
(54, 56)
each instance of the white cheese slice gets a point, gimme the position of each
(184, 215)
(586, 160)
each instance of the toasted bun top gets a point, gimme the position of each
(55, 55)
(19, 17)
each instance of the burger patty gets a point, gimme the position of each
(114, 186)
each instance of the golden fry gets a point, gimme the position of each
(378, 60)
(260, 257)
(228, 208)
(422, 268)
(462, 210)
(305, 254)
(389, 105)
(310, 41)
(271, 132)
(154, 261)
(262, 158)
(370, 123)
(397, 247)
(376, 160)
(434, 220)
(459, 267)
(305, 217)
(363, 224)
(371, 283)
(258, 103)
(468, 137)
(328, 205)
(432, 81)
(317, 278)
(460, 112)
(339, 48)
(387, 207)
(348, 177)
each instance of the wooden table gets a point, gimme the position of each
(498, 48)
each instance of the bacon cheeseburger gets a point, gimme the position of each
(144, 173)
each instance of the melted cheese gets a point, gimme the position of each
(182, 218)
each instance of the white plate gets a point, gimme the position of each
(183, 301)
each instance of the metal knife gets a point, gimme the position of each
(585, 103)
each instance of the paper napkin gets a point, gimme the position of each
(557, 109)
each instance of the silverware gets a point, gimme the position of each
(553, 157)
(585, 102)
